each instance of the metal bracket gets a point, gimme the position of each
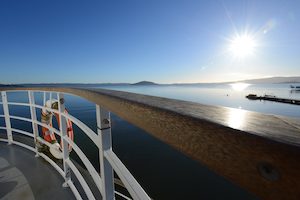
(101, 129)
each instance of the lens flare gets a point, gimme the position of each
(242, 45)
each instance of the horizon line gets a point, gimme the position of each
(156, 82)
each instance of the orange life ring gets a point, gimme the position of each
(46, 117)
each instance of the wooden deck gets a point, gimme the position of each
(258, 152)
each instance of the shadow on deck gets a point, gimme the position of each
(22, 176)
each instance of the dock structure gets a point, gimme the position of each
(273, 98)
(258, 152)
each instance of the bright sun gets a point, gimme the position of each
(242, 45)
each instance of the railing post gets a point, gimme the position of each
(7, 118)
(104, 134)
(63, 134)
(34, 119)
(44, 98)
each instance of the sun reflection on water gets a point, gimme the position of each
(236, 118)
(239, 86)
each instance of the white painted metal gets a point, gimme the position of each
(41, 140)
(50, 98)
(20, 118)
(6, 116)
(3, 140)
(94, 174)
(47, 108)
(109, 162)
(104, 135)
(18, 131)
(24, 145)
(54, 130)
(63, 132)
(35, 129)
(51, 162)
(122, 195)
(133, 187)
(60, 171)
(81, 180)
(22, 132)
(44, 98)
(74, 190)
(18, 104)
(89, 132)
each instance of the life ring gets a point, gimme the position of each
(49, 136)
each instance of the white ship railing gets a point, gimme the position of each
(258, 152)
(109, 162)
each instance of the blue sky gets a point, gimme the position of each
(161, 41)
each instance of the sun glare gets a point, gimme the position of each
(239, 86)
(242, 45)
(236, 118)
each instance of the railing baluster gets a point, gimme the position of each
(63, 133)
(33, 117)
(44, 98)
(104, 134)
(50, 98)
(7, 118)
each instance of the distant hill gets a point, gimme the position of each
(295, 79)
(9, 85)
(145, 83)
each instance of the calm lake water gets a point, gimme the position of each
(225, 95)
(164, 172)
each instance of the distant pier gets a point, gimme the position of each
(273, 98)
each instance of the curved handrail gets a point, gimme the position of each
(37, 122)
(18, 104)
(91, 134)
(22, 132)
(87, 164)
(135, 190)
(56, 167)
(83, 183)
(201, 131)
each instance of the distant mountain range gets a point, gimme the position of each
(272, 80)
(295, 79)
